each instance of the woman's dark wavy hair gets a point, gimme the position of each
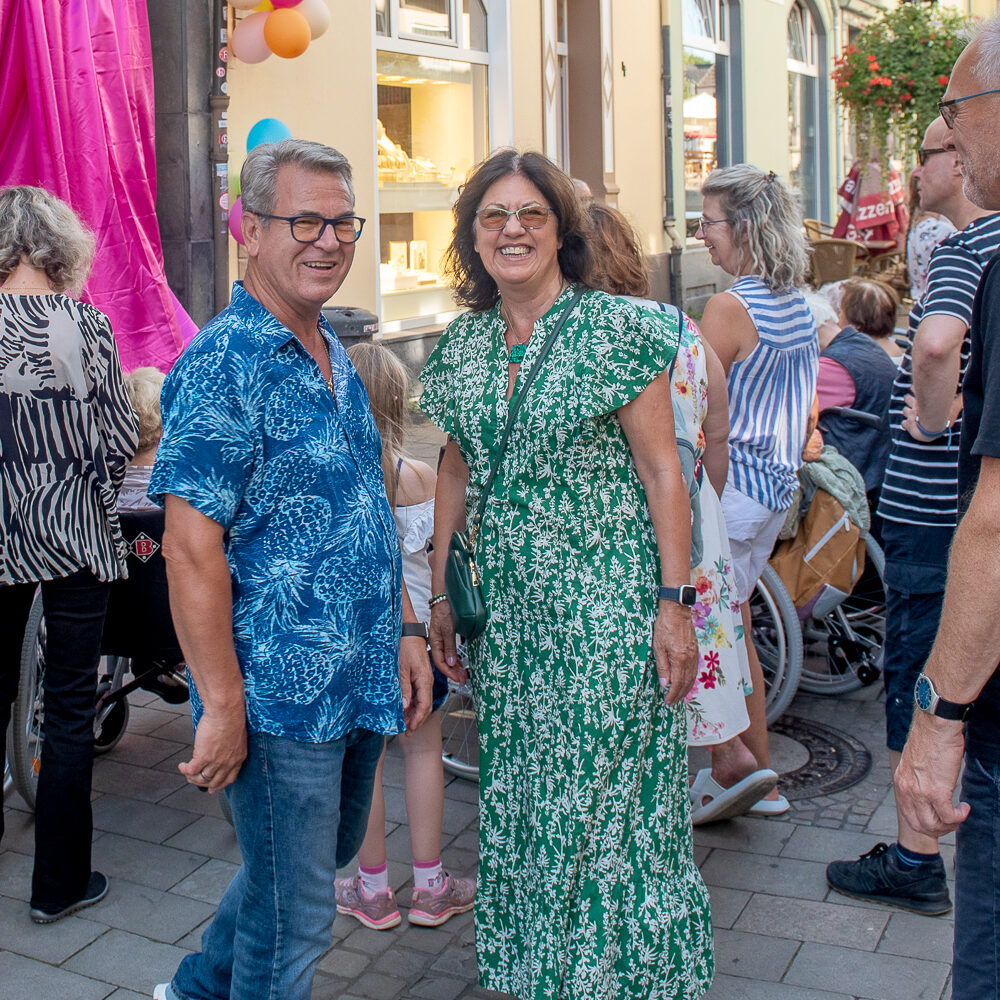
(473, 285)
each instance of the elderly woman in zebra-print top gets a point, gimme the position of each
(67, 432)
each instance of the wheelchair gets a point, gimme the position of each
(138, 639)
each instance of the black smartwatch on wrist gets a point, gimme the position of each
(929, 701)
(686, 595)
(418, 630)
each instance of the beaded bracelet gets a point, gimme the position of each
(437, 599)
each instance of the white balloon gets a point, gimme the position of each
(244, 4)
(317, 14)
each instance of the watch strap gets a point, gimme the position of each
(417, 629)
(686, 595)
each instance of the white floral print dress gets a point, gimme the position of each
(716, 703)
(587, 885)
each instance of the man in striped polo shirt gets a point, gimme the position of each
(919, 505)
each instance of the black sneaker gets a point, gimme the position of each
(879, 877)
(97, 889)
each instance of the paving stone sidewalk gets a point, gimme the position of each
(780, 933)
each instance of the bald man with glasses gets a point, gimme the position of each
(919, 505)
(960, 685)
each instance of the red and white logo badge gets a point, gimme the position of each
(144, 547)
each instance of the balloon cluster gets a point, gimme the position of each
(277, 27)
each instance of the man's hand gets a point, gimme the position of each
(910, 417)
(220, 747)
(675, 647)
(928, 773)
(416, 680)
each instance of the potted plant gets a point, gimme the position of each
(892, 77)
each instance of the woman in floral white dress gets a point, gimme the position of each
(716, 703)
(587, 884)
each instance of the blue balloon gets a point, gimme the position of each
(267, 130)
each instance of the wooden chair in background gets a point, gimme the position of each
(816, 230)
(834, 260)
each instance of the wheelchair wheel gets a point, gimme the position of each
(844, 650)
(459, 736)
(777, 637)
(24, 736)
(111, 720)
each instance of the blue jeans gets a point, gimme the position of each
(976, 969)
(911, 624)
(300, 811)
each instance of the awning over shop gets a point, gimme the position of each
(76, 117)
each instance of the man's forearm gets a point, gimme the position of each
(967, 648)
(202, 608)
(936, 367)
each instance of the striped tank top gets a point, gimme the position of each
(770, 394)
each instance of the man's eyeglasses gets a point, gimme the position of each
(923, 155)
(310, 228)
(530, 217)
(704, 223)
(948, 111)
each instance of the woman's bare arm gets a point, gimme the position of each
(648, 423)
(716, 424)
(449, 517)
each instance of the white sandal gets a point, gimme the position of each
(724, 803)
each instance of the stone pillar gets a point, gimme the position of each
(186, 40)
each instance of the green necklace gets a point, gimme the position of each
(518, 351)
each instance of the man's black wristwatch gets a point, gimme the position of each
(928, 700)
(417, 629)
(686, 595)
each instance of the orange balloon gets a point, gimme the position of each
(287, 33)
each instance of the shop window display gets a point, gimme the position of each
(432, 128)
(708, 98)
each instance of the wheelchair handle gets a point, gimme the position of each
(868, 419)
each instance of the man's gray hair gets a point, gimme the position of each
(987, 65)
(258, 178)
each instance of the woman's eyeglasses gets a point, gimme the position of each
(530, 217)
(948, 111)
(923, 155)
(704, 223)
(310, 228)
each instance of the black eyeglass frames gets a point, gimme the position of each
(948, 111)
(923, 155)
(310, 228)
(530, 217)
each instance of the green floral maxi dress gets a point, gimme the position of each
(587, 885)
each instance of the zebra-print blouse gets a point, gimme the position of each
(67, 432)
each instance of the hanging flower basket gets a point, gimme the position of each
(891, 79)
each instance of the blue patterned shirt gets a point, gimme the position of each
(253, 439)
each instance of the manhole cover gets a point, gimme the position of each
(836, 760)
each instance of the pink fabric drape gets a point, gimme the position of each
(76, 117)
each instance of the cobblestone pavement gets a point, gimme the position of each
(780, 933)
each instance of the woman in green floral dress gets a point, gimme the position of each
(587, 885)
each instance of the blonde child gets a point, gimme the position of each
(437, 896)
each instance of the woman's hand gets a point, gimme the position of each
(442, 640)
(675, 647)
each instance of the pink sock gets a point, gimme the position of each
(374, 880)
(428, 874)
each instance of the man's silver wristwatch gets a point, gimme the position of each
(929, 701)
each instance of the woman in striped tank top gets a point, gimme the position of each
(765, 337)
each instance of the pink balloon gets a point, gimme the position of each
(236, 220)
(278, 4)
(247, 43)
